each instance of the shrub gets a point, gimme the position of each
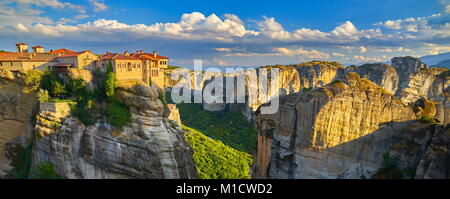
(426, 119)
(171, 67)
(162, 96)
(43, 95)
(389, 169)
(83, 110)
(22, 165)
(214, 160)
(337, 81)
(118, 114)
(45, 170)
(307, 89)
(110, 83)
(32, 80)
(78, 89)
(53, 84)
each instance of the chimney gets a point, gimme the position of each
(38, 49)
(154, 53)
(126, 53)
(22, 47)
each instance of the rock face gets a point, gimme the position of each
(340, 130)
(16, 124)
(417, 81)
(291, 79)
(151, 146)
(382, 74)
(435, 162)
(410, 80)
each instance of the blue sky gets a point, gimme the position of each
(234, 33)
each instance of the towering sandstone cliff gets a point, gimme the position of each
(16, 124)
(417, 80)
(151, 146)
(340, 130)
(292, 79)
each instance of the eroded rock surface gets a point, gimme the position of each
(16, 118)
(340, 130)
(150, 146)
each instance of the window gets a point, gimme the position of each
(129, 66)
(154, 73)
(1, 63)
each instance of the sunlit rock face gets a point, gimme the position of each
(257, 91)
(151, 146)
(16, 121)
(417, 80)
(382, 74)
(340, 130)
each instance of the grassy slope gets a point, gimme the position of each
(215, 160)
(231, 127)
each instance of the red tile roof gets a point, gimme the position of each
(117, 56)
(32, 57)
(144, 56)
(61, 51)
(72, 54)
(150, 56)
(38, 47)
(161, 57)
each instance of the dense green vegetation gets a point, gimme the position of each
(171, 67)
(110, 83)
(118, 114)
(53, 84)
(22, 163)
(45, 170)
(426, 119)
(43, 95)
(389, 169)
(215, 160)
(32, 80)
(229, 127)
(52, 88)
(84, 108)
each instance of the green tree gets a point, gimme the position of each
(53, 84)
(78, 88)
(32, 80)
(110, 83)
(43, 95)
(215, 160)
(58, 89)
(118, 114)
(230, 127)
(46, 170)
(22, 164)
